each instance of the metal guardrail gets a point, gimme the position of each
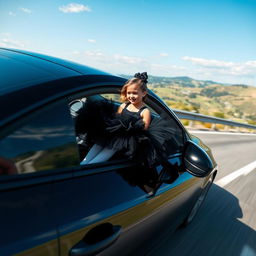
(209, 119)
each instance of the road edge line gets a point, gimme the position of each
(232, 176)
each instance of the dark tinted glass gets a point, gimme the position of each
(45, 142)
(177, 137)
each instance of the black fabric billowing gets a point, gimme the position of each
(125, 132)
(92, 120)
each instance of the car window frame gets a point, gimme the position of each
(48, 176)
(152, 100)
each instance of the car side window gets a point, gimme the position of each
(87, 113)
(45, 141)
(177, 137)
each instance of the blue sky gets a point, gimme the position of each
(208, 40)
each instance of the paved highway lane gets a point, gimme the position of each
(226, 222)
(231, 151)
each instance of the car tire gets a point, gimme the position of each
(198, 203)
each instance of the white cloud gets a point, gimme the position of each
(11, 13)
(74, 8)
(163, 54)
(219, 71)
(76, 52)
(168, 68)
(224, 67)
(7, 42)
(94, 53)
(26, 10)
(128, 59)
(123, 64)
(93, 41)
(209, 63)
(6, 34)
(251, 63)
(223, 71)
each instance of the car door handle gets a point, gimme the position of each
(96, 240)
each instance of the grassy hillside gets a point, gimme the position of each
(234, 102)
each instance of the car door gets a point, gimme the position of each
(106, 208)
(34, 151)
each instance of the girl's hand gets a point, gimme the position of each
(146, 117)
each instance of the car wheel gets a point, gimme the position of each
(198, 203)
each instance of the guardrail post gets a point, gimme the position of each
(191, 123)
(213, 127)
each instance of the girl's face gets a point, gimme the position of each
(134, 94)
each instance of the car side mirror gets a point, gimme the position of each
(196, 160)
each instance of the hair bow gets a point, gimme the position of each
(143, 76)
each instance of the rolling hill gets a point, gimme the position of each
(231, 101)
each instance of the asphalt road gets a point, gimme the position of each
(226, 222)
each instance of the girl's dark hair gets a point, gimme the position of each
(139, 79)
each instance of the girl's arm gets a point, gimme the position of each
(146, 117)
(120, 108)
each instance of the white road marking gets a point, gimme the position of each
(232, 176)
(220, 133)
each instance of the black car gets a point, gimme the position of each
(50, 204)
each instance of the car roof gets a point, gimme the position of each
(29, 80)
(21, 69)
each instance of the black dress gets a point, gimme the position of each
(128, 136)
(125, 133)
